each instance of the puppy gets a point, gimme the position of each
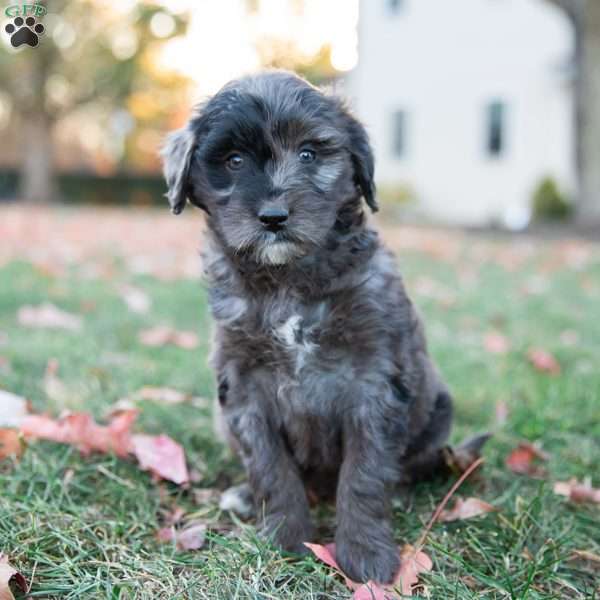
(324, 381)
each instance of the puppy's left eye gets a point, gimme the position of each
(307, 156)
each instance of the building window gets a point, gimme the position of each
(399, 133)
(495, 128)
(393, 7)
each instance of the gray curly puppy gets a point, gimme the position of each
(325, 384)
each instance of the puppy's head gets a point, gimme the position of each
(273, 161)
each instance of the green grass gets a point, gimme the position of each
(84, 527)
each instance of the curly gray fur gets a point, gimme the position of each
(325, 383)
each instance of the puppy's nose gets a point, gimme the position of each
(273, 217)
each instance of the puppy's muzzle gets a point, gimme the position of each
(273, 218)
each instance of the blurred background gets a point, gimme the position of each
(482, 112)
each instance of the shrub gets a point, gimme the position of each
(549, 202)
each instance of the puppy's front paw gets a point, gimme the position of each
(288, 532)
(366, 557)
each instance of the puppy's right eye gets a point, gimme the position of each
(234, 162)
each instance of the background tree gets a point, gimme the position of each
(95, 68)
(585, 17)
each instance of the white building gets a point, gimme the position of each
(468, 102)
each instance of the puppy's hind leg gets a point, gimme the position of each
(424, 458)
(429, 456)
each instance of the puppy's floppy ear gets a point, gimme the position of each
(362, 160)
(177, 154)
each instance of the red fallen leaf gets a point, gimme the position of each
(523, 459)
(577, 492)
(163, 335)
(9, 575)
(158, 454)
(80, 430)
(162, 456)
(191, 537)
(48, 315)
(466, 509)
(496, 343)
(413, 563)
(10, 443)
(543, 361)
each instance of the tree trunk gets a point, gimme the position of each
(37, 182)
(588, 210)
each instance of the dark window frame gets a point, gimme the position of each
(399, 128)
(394, 7)
(495, 128)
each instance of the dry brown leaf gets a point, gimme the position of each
(586, 555)
(577, 492)
(496, 343)
(10, 444)
(524, 459)
(466, 509)
(10, 575)
(13, 409)
(163, 335)
(458, 459)
(543, 361)
(50, 316)
(191, 537)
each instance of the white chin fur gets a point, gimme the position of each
(277, 253)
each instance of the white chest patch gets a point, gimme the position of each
(292, 335)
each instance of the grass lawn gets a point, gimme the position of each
(84, 527)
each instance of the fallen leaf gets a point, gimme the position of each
(163, 335)
(458, 459)
(81, 431)
(158, 454)
(524, 458)
(495, 342)
(543, 361)
(413, 563)
(191, 537)
(577, 492)
(10, 443)
(13, 409)
(585, 555)
(136, 299)
(48, 315)
(9, 575)
(162, 456)
(466, 509)
(161, 394)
